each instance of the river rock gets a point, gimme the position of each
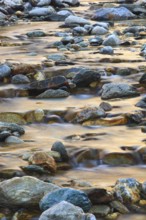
(41, 3)
(36, 33)
(5, 71)
(75, 20)
(107, 50)
(71, 2)
(52, 93)
(20, 79)
(44, 160)
(85, 76)
(99, 196)
(27, 191)
(141, 103)
(142, 80)
(51, 83)
(105, 106)
(13, 140)
(98, 30)
(65, 211)
(96, 41)
(112, 40)
(81, 31)
(59, 147)
(100, 210)
(106, 14)
(4, 135)
(87, 113)
(37, 11)
(76, 197)
(2, 16)
(12, 127)
(127, 190)
(118, 90)
(118, 206)
(119, 159)
(13, 3)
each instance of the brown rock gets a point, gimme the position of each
(44, 160)
(99, 196)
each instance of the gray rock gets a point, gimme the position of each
(141, 103)
(2, 16)
(76, 197)
(96, 41)
(70, 20)
(118, 90)
(14, 140)
(20, 79)
(107, 50)
(71, 2)
(111, 40)
(42, 11)
(36, 33)
(13, 3)
(4, 135)
(60, 148)
(43, 3)
(128, 190)
(100, 210)
(81, 31)
(106, 14)
(102, 24)
(57, 57)
(65, 211)
(105, 106)
(65, 12)
(5, 71)
(24, 191)
(52, 93)
(12, 127)
(67, 40)
(97, 30)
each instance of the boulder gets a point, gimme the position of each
(76, 197)
(127, 190)
(106, 14)
(118, 90)
(23, 191)
(65, 211)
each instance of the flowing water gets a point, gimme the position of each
(42, 136)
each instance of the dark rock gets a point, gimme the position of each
(105, 106)
(76, 197)
(97, 41)
(107, 50)
(60, 148)
(85, 76)
(118, 90)
(36, 33)
(37, 11)
(118, 206)
(52, 93)
(11, 127)
(141, 103)
(99, 196)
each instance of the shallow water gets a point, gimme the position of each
(40, 136)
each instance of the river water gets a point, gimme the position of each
(42, 136)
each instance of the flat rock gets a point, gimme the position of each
(117, 158)
(27, 191)
(106, 14)
(118, 90)
(52, 93)
(70, 20)
(41, 11)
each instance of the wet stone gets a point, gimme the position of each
(100, 210)
(20, 79)
(36, 33)
(60, 148)
(50, 93)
